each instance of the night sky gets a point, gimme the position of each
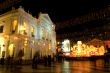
(61, 10)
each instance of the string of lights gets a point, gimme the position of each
(101, 14)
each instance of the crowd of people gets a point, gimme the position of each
(11, 62)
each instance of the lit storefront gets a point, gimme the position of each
(20, 31)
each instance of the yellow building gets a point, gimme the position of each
(19, 30)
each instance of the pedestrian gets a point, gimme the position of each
(106, 59)
(8, 62)
(49, 60)
(2, 61)
(34, 62)
(45, 60)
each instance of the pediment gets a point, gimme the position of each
(45, 17)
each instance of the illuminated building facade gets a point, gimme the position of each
(20, 31)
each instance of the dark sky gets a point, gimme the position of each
(61, 10)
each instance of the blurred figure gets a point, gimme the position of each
(45, 60)
(2, 61)
(20, 61)
(8, 62)
(34, 62)
(20, 55)
(49, 60)
(106, 59)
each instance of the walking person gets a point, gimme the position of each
(34, 62)
(45, 60)
(2, 60)
(49, 60)
(8, 62)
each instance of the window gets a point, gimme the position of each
(25, 28)
(25, 41)
(11, 49)
(1, 29)
(47, 35)
(14, 23)
(32, 31)
(42, 33)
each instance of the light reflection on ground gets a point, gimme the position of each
(95, 66)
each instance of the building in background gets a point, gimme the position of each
(20, 31)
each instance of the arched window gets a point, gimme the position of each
(32, 31)
(11, 49)
(25, 41)
(25, 28)
(47, 36)
(14, 26)
(42, 33)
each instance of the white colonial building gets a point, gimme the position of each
(19, 30)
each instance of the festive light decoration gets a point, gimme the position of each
(94, 47)
(66, 46)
